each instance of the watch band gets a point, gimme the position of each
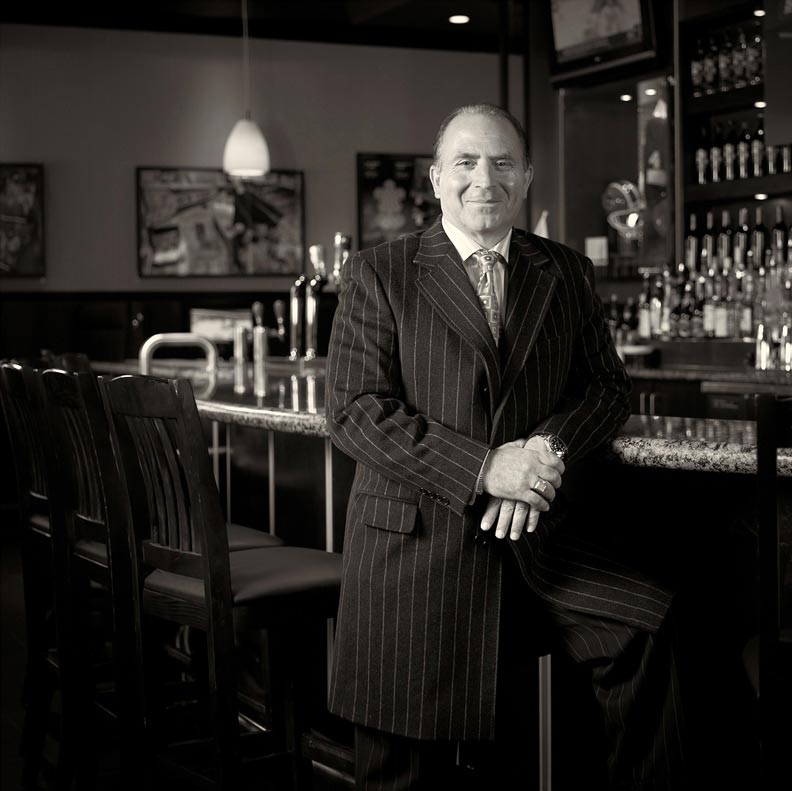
(554, 444)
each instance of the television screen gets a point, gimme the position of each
(593, 34)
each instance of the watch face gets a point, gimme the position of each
(554, 445)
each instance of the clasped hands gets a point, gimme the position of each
(512, 477)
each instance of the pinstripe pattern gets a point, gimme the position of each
(417, 392)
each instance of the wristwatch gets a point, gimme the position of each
(554, 444)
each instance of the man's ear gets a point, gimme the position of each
(434, 177)
(529, 174)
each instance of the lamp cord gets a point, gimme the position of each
(245, 59)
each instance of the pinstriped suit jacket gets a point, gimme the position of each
(417, 392)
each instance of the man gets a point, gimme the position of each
(468, 366)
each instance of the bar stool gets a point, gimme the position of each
(189, 577)
(20, 395)
(768, 656)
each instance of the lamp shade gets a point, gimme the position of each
(246, 154)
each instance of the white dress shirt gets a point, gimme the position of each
(466, 246)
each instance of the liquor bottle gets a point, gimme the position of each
(732, 307)
(721, 314)
(738, 59)
(702, 156)
(730, 151)
(753, 57)
(771, 159)
(656, 307)
(667, 305)
(710, 67)
(724, 246)
(716, 153)
(741, 237)
(614, 319)
(697, 70)
(645, 309)
(743, 151)
(708, 251)
(685, 312)
(629, 322)
(778, 236)
(747, 306)
(725, 71)
(675, 311)
(697, 324)
(708, 308)
(758, 238)
(786, 158)
(757, 147)
(692, 247)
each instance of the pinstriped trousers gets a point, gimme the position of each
(635, 681)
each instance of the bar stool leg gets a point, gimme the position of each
(545, 724)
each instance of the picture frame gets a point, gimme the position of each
(22, 238)
(394, 196)
(198, 222)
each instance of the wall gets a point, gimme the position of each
(91, 105)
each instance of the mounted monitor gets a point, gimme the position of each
(595, 35)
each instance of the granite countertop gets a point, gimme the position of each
(294, 403)
(705, 373)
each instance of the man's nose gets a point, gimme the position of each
(484, 175)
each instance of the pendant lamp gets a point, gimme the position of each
(246, 154)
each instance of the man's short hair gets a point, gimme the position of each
(491, 110)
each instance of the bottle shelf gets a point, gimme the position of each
(739, 189)
(726, 101)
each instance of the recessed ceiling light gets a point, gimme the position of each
(759, 12)
(761, 196)
(625, 97)
(760, 105)
(651, 91)
(459, 19)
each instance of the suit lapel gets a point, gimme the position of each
(532, 279)
(442, 279)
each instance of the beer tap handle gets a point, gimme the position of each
(279, 309)
(257, 309)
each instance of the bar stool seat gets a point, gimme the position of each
(241, 538)
(258, 574)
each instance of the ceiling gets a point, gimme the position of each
(405, 23)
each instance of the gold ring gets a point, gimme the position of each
(540, 487)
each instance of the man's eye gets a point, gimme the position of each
(503, 164)
(466, 163)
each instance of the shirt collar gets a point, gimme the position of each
(466, 246)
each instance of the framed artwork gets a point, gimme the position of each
(196, 222)
(22, 220)
(395, 196)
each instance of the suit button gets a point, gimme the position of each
(445, 501)
(423, 491)
(485, 389)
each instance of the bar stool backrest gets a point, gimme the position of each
(159, 443)
(83, 456)
(19, 386)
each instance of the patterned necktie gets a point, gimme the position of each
(485, 289)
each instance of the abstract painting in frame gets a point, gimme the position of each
(22, 220)
(395, 196)
(196, 222)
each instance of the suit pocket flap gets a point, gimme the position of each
(387, 513)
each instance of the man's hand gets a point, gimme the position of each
(523, 477)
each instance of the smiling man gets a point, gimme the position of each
(468, 366)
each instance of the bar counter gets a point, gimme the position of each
(294, 404)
